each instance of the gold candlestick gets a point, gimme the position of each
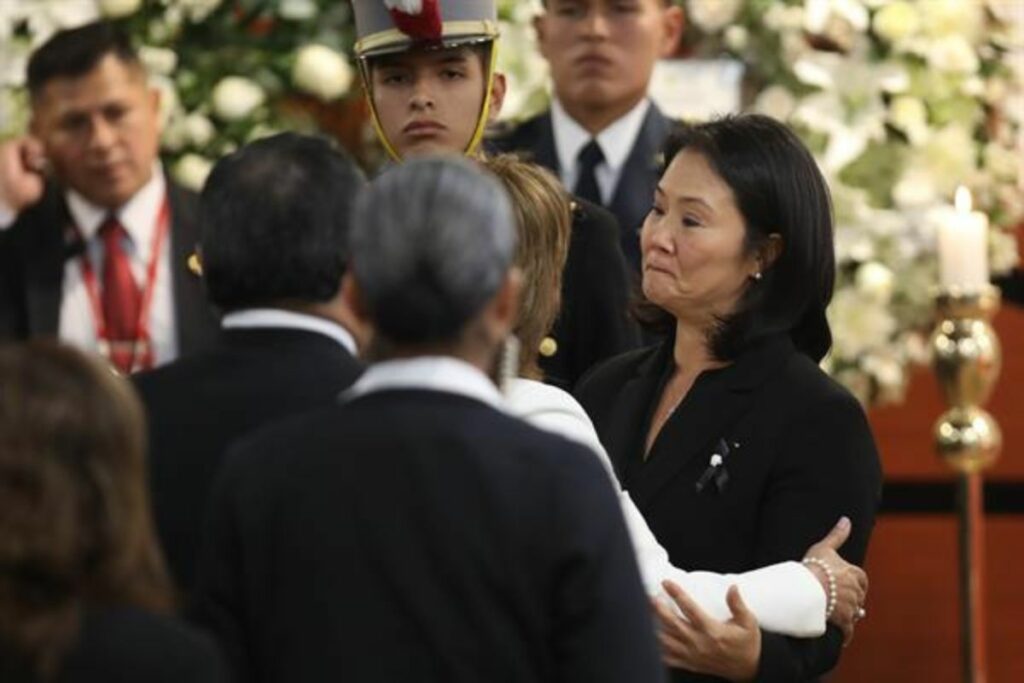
(966, 358)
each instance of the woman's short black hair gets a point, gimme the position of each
(778, 189)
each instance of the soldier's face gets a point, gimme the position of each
(429, 102)
(100, 131)
(602, 52)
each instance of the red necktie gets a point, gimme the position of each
(120, 297)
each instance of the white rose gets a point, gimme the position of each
(964, 18)
(235, 97)
(198, 129)
(858, 324)
(191, 171)
(711, 16)
(118, 8)
(775, 101)
(953, 54)
(158, 60)
(781, 17)
(736, 38)
(875, 282)
(916, 188)
(322, 72)
(888, 374)
(896, 22)
(297, 10)
(910, 116)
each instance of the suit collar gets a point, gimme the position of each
(261, 318)
(615, 141)
(432, 373)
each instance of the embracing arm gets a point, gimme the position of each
(785, 597)
(828, 467)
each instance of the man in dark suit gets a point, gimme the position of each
(602, 134)
(94, 239)
(416, 531)
(429, 100)
(274, 220)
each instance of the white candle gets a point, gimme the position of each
(963, 246)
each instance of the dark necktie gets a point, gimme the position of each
(586, 183)
(120, 298)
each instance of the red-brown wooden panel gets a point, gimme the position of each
(912, 630)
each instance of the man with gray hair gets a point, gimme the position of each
(416, 532)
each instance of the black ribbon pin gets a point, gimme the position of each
(716, 470)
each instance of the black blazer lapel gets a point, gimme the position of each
(50, 239)
(639, 176)
(624, 438)
(716, 403)
(197, 326)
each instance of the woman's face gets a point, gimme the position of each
(692, 241)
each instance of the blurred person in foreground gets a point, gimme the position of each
(84, 594)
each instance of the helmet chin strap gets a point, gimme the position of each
(481, 122)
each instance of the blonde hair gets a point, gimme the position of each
(543, 213)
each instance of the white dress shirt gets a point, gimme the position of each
(139, 217)
(785, 597)
(256, 318)
(435, 373)
(616, 141)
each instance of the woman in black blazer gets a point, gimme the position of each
(737, 448)
(82, 582)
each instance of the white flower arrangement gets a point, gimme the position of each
(901, 101)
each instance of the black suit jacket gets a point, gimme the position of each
(594, 322)
(34, 250)
(633, 195)
(801, 455)
(128, 645)
(413, 535)
(198, 405)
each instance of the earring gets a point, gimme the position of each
(757, 276)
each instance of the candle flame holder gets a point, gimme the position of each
(966, 359)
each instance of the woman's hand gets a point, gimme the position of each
(851, 581)
(728, 649)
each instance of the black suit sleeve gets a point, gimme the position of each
(829, 468)
(602, 624)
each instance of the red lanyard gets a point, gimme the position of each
(144, 360)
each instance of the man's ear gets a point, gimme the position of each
(673, 24)
(352, 296)
(498, 90)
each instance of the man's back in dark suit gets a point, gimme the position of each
(418, 535)
(199, 405)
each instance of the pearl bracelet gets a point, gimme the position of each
(831, 607)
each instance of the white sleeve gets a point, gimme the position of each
(786, 598)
